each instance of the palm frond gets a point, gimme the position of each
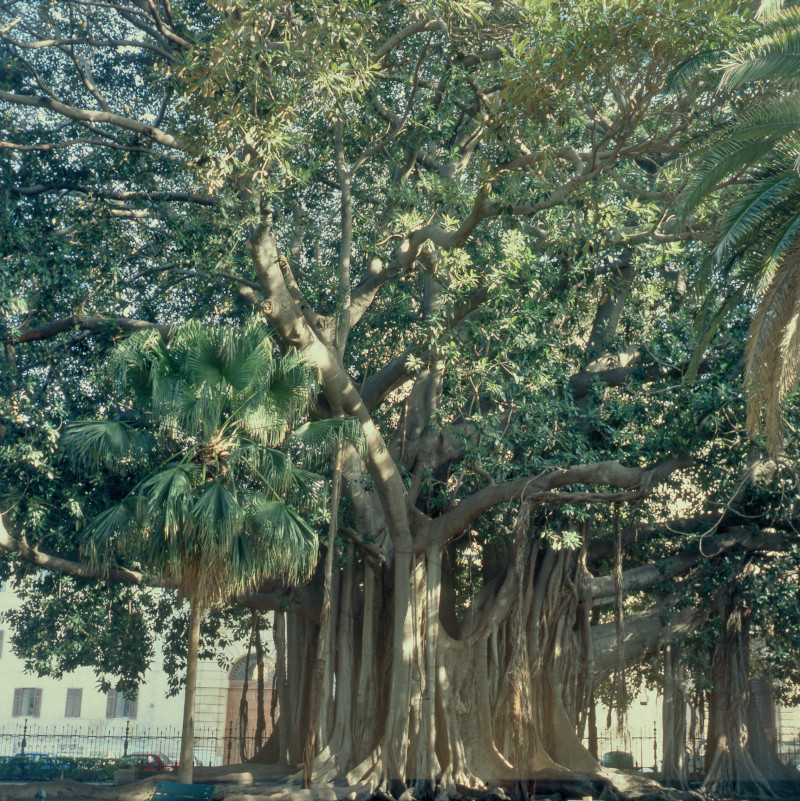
(141, 361)
(771, 358)
(169, 498)
(291, 386)
(269, 466)
(756, 206)
(107, 443)
(316, 441)
(199, 410)
(775, 58)
(306, 482)
(217, 515)
(289, 546)
(785, 238)
(710, 330)
(108, 533)
(768, 9)
(681, 77)
(262, 423)
(777, 119)
(780, 18)
(718, 162)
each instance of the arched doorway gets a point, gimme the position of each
(234, 729)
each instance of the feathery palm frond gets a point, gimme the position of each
(680, 77)
(768, 9)
(775, 58)
(756, 206)
(717, 163)
(710, 327)
(777, 250)
(740, 146)
(758, 249)
(772, 363)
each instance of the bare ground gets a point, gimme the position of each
(270, 783)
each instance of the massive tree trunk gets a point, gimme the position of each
(498, 698)
(674, 768)
(739, 760)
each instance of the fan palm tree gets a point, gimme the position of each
(758, 249)
(215, 442)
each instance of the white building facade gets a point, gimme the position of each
(72, 717)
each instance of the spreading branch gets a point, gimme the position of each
(82, 322)
(84, 115)
(633, 484)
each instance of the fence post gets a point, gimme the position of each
(230, 743)
(24, 738)
(655, 748)
(127, 735)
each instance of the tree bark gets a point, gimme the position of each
(186, 767)
(730, 769)
(261, 719)
(674, 769)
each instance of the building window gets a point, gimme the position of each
(74, 698)
(119, 705)
(27, 702)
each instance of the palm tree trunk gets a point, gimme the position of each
(186, 767)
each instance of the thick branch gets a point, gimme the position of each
(83, 323)
(157, 196)
(286, 316)
(75, 113)
(741, 538)
(636, 483)
(71, 567)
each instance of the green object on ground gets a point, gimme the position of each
(621, 760)
(174, 791)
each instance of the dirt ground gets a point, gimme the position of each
(267, 783)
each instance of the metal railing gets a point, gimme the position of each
(107, 741)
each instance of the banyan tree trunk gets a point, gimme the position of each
(674, 770)
(735, 762)
(495, 694)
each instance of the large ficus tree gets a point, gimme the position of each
(459, 214)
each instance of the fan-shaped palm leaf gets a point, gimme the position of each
(317, 440)
(107, 443)
(217, 510)
(289, 544)
(112, 529)
(169, 496)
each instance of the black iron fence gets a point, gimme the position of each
(130, 744)
(789, 751)
(642, 744)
